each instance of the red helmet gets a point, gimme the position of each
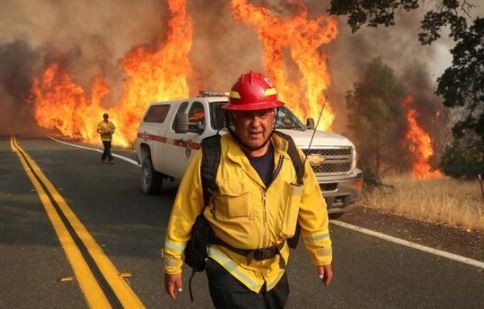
(253, 91)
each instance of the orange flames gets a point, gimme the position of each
(62, 104)
(156, 74)
(419, 143)
(153, 73)
(160, 71)
(303, 38)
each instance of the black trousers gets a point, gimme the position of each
(228, 292)
(107, 151)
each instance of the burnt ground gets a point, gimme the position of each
(469, 243)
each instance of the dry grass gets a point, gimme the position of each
(448, 201)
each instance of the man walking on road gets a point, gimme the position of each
(257, 206)
(106, 130)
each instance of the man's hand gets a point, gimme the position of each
(173, 284)
(325, 273)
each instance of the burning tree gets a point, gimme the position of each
(461, 85)
(376, 120)
(388, 129)
(418, 143)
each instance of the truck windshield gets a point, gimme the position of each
(285, 118)
(217, 120)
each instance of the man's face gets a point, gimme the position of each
(254, 127)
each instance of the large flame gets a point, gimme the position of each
(153, 73)
(160, 71)
(419, 143)
(156, 74)
(62, 104)
(304, 38)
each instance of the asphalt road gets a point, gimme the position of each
(129, 227)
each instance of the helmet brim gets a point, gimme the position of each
(253, 106)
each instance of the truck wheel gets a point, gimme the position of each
(150, 179)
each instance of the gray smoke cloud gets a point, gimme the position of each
(92, 36)
(224, 48)
(16, 60)
(89, 37)
(416, 67)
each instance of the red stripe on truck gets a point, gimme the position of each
(177, 142)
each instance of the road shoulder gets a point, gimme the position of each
(468, 243)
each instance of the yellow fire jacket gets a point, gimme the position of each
(247, 215)
(106, 130)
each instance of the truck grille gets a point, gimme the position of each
(336, 160)
(345, 151)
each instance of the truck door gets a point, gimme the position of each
(181, 146)
(154, 126)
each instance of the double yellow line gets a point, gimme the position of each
(91, 289)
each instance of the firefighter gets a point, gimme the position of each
(256, 208)
(106, 128)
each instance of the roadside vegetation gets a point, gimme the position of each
(453, 122)
(445, 200)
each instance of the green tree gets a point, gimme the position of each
(376, 120)
(444, 13)
(462, 84)
(460, 161)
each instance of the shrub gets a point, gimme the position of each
(462, 161)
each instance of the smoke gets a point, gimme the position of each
(101, 29)
(16, 61)
(222, 47)
(416, 66)
(90, 37)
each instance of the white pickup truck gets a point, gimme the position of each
(171, 131)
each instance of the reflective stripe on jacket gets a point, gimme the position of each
(247, 215)
(106, 130)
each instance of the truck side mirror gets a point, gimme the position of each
(310, 123)
(181, 123)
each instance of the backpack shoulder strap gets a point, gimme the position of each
(294, 155)
(299, 168)
(210, 161)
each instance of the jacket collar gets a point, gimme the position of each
(237, 155)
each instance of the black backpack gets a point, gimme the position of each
(195, 252)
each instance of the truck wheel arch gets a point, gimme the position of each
(150, 179)
(145, 151)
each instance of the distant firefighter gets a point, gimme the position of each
(106, 129)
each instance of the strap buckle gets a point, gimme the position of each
(266, 253)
